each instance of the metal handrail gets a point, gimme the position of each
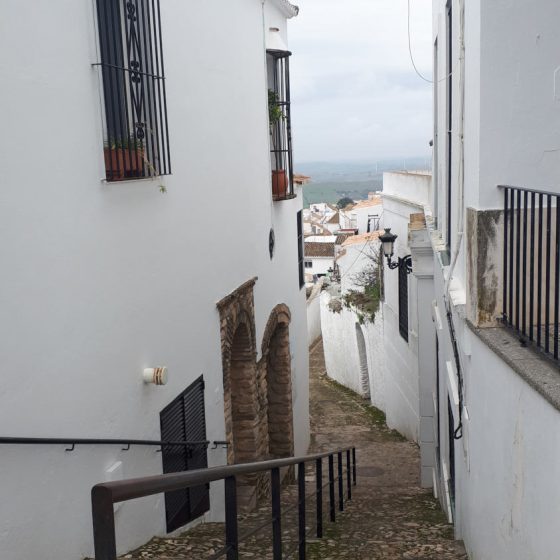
(105, 441)
(105, 494)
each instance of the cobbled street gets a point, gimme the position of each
(389, 516)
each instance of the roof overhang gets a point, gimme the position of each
(287, 8)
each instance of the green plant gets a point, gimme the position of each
(275, 114)
(344, 202)
(124, 143)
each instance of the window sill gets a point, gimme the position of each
(128, 180)
(540, 373)
(285, 197)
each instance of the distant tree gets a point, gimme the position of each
(344, 202)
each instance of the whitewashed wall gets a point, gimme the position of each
(402, 391)
(320, 265)
(361, 216)
(102, 281)
(507, 461)
(342, 356)
(314, 313)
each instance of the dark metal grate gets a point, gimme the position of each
(136, 137)
(184, 419)
(403, 301)
(300, 249)
(280, 130)
(531, 266)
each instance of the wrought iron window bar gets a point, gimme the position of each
(136, 136)
(405, 267)
(531, 267)
(280, 128)
(300, 241)
(106, 494)
(72, 442)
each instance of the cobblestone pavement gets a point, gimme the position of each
(389, 516)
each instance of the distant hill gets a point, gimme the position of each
(330, 181)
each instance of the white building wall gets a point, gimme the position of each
(354, 259)
(402, 374)
(319, 265)
(342, 356)
(106, 279)
(507, 461)
(314, 313)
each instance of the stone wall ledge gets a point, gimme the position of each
(539, 372)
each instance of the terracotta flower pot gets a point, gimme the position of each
(279, 184)
(122, 163)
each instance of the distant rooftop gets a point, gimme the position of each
(362, 238)
(317, 249)
(320, 239)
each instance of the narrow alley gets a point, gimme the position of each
(389, 516)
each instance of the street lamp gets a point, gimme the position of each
(388, 243)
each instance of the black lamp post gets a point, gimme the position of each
(388, 243)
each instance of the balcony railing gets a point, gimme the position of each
(531, 266)
(106, 494)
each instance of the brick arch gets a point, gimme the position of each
(279, 315)
(276, 360)
(237, 330)
(241, 399)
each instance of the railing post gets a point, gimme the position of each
(276, 515)
(319, 496)
(354, 464)
(231, 518)
(301, 502)
(103, 524)
(348, 474)
(332, 506)
(340, 483)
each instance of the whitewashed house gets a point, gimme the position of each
(319, 251)
(122, 124)
(483, 295)
(363, 215)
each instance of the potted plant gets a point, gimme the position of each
(275, 117)
(124, 157)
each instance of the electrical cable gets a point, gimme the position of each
(412, 56)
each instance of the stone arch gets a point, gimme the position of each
(237, 330)
(241, 399)
(362, 355)
(244, 402)
(276, 359)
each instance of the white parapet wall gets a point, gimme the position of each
(353, 349)
(314, 313)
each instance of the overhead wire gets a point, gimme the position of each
(420, 75)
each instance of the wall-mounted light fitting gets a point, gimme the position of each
(388, 244)
(156, 375)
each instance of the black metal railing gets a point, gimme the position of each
(531, 266)
(106, 494)
(72, 442)
(136, 137)
(278, 63)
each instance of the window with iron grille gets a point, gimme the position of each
(136, 138)
(280, 124)
(403, 302)
(300, 249)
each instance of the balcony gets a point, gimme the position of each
(531, 267)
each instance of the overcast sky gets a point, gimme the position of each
(355, 95)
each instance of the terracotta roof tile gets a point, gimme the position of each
(319, 249)
(362, 238)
